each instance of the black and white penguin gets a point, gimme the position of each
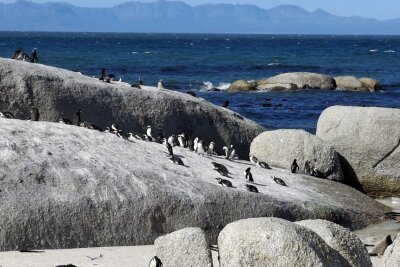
(140, 81)
(160, 85)
(253, 159)
(264, 165)
(225, 104)
(221, 169)
(191, 93)
(34, 114)
(34, 56)
(77, 118)
(7, 115)
(64, 120)
(294, 168)
(279, 181)
(251, 188)
(200, 148)
(190, 144)
(182, 140)
(169, 147)
(248, 175)
(195, 143)
(155, 262)
(114, 128)
(307, 168)
(149, 134)
(107, 130)
(173, 141)
(210, 150)
(224, 182)
(317, 173)
(176, 160)
(17, 52)
(111, 77)
(102, 75)
(131, 137)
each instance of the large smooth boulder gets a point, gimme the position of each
(368, 140)
(391, 257)
(260, 242)
(304, 80)
(240, 86)
(340, 239)
(350, 83)
(266, 85)
(280, 147)
(58, 92)
(64, 186)
(186, 247)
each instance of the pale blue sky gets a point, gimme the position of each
(380, 9)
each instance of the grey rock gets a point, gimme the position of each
(341, 240)
(64, 186)
(391, 257)
(280, 147)
(186, 247)
(240, 85)
(350, 83)
(57, 92)
(262, 242)
(367, 140)
(380, 246)
(304, 80)
(268, 86)
(371, 84)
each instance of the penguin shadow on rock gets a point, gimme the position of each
(350, 174)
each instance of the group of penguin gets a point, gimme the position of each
(19, 54)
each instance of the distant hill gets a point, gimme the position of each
(177, 17)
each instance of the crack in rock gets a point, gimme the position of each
(387, 155)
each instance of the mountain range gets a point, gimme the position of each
(178, 17)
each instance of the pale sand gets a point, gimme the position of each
(138, 256)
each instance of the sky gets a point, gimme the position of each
(378, 9)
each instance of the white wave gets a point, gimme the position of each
(207, 85)
(373, 50)
(134, 52)
(210, 86)
(274, 64)
(223, 86)
(150, 52)
(390, 51)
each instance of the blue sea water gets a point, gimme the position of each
(196, 62)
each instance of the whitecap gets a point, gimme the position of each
(134, 52)
(207, 85)
(274, 64)
(390, 51)
(373, 50)
(223, 86)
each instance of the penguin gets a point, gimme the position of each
(155, 262)
(176, 160)
(34, 114)
(172, 140)
(169, 147)
(210, 150)
(182, 140)
(120, 134)
(102, 75)
(107, 130)
(7, 115)
(34, 56)
(160, 85)
(232, 155)
(131, 137)
(140, 81)
(264, 165)
(307, 168)
(200, 148)
(64, 120)
(191, 93)
(17, 52)
(77, 118)
(224, 182)
(114, 128)
(225, 104)
(251, 188)
(221, 169)
(159, 137)
(226, 151)
(148, 133)
(279, 181)
(294, 168)
(248, 175)
(138, 137)
(110, 77)
(254, 159)
(195, 144)
(190, 144)
(317, 173)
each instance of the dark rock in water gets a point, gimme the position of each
(56, 91)
(240, 86)
(214, 90)
(99, 190)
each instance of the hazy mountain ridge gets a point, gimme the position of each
(179, 17)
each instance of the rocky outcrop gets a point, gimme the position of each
(279, 148)
(341, 240)
(381, 246)
(274, 242)
(240, 86)
(266, 85)
(186, 247)
(368, 141)
(303, 80)
(64, 186)
(392, 254)
(351, 83)
(57, 92)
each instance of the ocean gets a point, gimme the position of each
(197, 62)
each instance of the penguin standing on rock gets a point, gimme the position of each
(195, 144)
(102, 75)
(169, 147)
(200, 148)
(34, 114)
(307, 168)
(221, 169)
(155, 262)
(248, 175)
(182, 140)
(264, 165)
(77, 118)
(190, 144)
(294, 168)
(34, 56)
(253, 159)
(160, 85)
(148, 133)
(210, 150)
